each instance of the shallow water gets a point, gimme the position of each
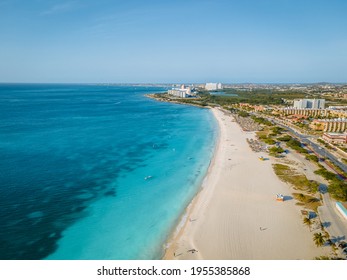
(96, 172)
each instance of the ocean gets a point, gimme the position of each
(96, 171)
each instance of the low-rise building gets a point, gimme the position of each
(304, 112)
(335, 138)
(329, 125)
(327, 113)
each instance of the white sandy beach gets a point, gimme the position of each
(235, 215)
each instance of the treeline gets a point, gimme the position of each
(337, 188)
(254, 96)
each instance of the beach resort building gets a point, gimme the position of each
(213, 86)
(182, 92)
(309, 103)
(326, 113)
(304, 112)
(335, 138)
(330, 125)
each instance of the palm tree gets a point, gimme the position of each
(318, 239)
(307, 221)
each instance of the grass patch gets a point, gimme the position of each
(297, 180)
(308, 201)
(312, 158)
(275, 151)
(263, 133)
(285, 138)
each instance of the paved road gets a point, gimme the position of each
(324, 153)
(334, 223)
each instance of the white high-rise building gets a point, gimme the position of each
(182, 92)
(309, 103)
(213, 86)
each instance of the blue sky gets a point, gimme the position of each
(173, 41)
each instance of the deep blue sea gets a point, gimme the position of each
(96, 172)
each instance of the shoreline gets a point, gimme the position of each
(234, 215)
(185, 218)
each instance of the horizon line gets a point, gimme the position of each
(170, 83)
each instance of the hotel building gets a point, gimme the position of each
(181, 92)
(330, 125)
(309, 103)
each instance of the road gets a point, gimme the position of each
(324, 153)
(332, 220)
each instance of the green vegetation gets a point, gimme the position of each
(337, 188)
(265, 139)
(251, 96)
(312, 158)
(326, 174)
(319, 239)
(269, 141)
(299, 181)
(243, 114)
(296, 145)
(285, 138)
(292, 143)
(275, 151)
(261, 120)
(307, 201)
(261, 96)
(277, 130)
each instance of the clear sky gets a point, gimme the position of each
(173, 41)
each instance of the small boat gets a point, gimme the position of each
(148, 177)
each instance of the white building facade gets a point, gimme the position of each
(213, 86)
(309, 103)
(182, 92)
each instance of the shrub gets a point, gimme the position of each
(269, 141)
(338, 190)
(285, 138)
(312, 157)
(326, 174)
(243, 114)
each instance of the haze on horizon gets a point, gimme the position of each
(269, 41)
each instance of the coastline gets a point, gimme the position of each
(235, 215)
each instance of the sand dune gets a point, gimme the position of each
(235, 215)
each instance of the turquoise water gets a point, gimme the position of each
(96, 172)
